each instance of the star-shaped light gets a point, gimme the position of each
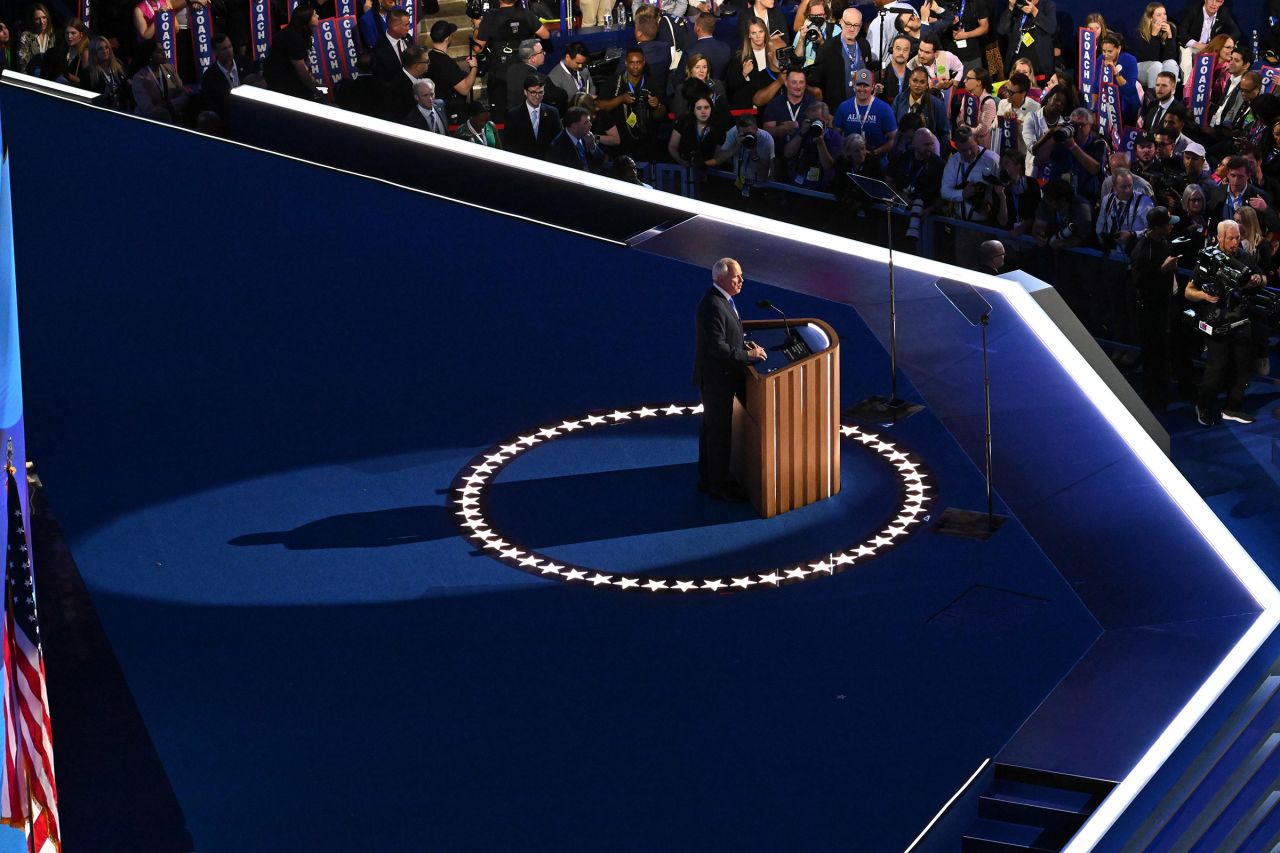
(685, 586)
(619, 416)
(575, 575)
(674, 410)
(594, 420)
(511, 553)
(646, 412)
(551, 569)
(570, 426)
(696, 410)
(549, 432)
(865, 550)
(529, 440)
(530, 561)
(843, 560)
(511, 449)
(628, 583)
(797, 573)
(713, 584)
(821, 566)
(743, 583)
(882, 540)
(772, 577)
(655, 585)
(598, 579)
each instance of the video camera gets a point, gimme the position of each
(1229, 280)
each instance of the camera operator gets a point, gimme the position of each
(813, 29)
(1062, 218)
(1152, 271)
(918, 178)
(781, 117)
(454, 85)
(809, 156)
(1021, 195)
(637, 109)
(1054, 107)
(751, 151)
(1223, 308)
(1074, 152)
(501, 31)
(963, 178)
(1123, 214)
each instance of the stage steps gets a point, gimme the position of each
(1229, 798)
(1028, 809)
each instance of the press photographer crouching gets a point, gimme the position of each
(809, 156)
(1225, 288)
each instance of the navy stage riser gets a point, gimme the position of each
(1014, 812)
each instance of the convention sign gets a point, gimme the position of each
(1088, 66)
(1201, 87)
(167, 34)
(202, 35)
(260, 27)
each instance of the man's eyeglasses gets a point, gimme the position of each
(855, 25)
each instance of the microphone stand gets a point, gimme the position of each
(877, 408)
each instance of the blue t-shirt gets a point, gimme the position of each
(874, 121)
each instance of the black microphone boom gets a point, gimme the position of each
(769, 306)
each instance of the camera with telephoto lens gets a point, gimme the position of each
(997, 179)
(747, 141)
(1062, 132)
(643, 95)
(813, 32)
(814, 130)
(1229, 280)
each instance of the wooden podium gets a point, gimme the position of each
(786, 439)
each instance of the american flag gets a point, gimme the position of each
(28, 795)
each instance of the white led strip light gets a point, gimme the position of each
(468, 493)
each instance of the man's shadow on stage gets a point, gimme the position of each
(377, 529)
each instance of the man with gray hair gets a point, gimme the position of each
(1123, 214)
(528, 63)
(720, 354)
(1078, 158)
(428, 113)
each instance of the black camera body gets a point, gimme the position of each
(747, 141)
(1228, 279)
(815, 130)
(1061, 133)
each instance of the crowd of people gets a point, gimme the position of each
(970, 110)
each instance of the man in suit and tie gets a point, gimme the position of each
(388, 50)
(718, 360)
(428, 113)
(1222, 201)
(529, 59)
(398, 92)
(225, 73)
(1161, 102)
(576, 146)
(718, 53)
(532, 125)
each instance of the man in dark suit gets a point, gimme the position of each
(398, 91)
(532, 125)
(225, 73)
(529, 59)
(1222, 202)
(389, 49)
(1203, 21)
(839, 58)
(718, 360)
(1161, 102)
(718, 53)
(429, 112)
(576, 146)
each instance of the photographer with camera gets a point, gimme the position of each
(454, 85)
(918, 177)
(500, 33)
(1123, 214)
(812, 31)
(1019, 196)
(751, 151)
(1062, 218)
(808, 158)
(637, 109)
(963, 178)
(781, 117)
(1221, 289)
(1074, 152)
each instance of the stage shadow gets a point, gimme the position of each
(379, 529)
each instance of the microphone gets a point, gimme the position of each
(769, 306)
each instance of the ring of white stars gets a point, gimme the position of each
(468, 493)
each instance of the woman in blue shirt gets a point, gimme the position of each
(1124, 71)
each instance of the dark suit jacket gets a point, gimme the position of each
(565, 153)
(414, 118)
(386, 65)
(518, 134)
(1193, 20)
(217, 88)
(1215, 198)
(827, 71)
(721, 351)
(718, 54)
(1147, 115)
(397, 96)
